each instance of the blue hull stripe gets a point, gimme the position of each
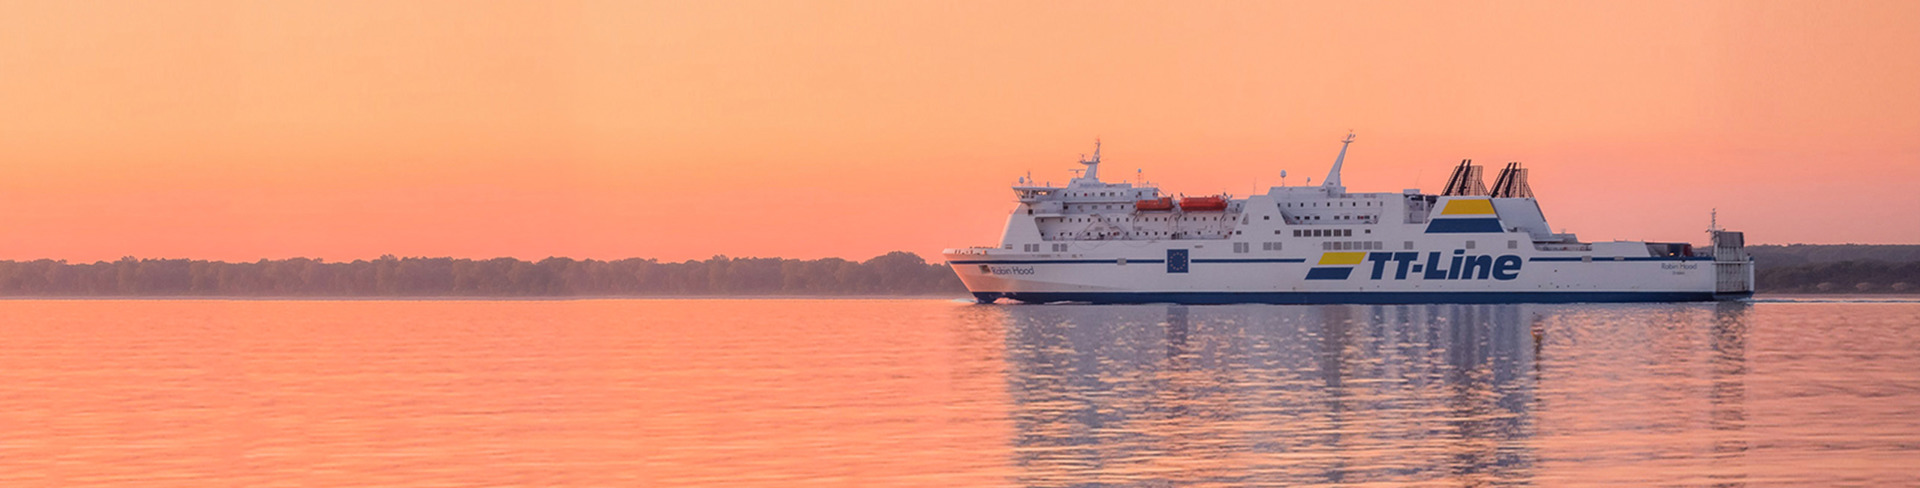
(1329, 273)
(1276, 260)
(1609, 259)
(1112, 261)
(1311, 298)
(1056, 261)
(1460, 226)
(1281, 260)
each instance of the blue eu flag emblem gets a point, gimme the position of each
(1176, 260)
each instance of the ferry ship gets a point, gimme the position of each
(1117, 242)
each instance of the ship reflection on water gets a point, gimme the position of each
(1443, 394)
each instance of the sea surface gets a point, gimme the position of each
(947, 393)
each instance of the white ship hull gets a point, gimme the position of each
(1215, 277)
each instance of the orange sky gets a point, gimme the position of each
(341, 130)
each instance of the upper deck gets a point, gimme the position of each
(1088, 209)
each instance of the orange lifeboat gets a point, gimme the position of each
(1203, 204)
(1161, 204)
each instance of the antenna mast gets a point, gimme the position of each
(1093, 165)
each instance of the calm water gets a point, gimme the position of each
(943, 393)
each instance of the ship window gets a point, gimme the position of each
(1265, 217)
(1240, 247)
(1470, 244)
(1409, 245)
(1513, 244)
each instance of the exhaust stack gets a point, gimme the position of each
(1465, 181)
(1512, 183)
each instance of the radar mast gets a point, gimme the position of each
(1093, 165)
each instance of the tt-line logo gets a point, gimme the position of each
(1402, 265)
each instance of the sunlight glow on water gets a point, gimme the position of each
(936, 392)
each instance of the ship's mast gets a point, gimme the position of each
(1333, 176)
(1093, 165)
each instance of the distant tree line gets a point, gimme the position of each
(1840, 277)
(1836, 268)
(897, 273)
(1780, 269)
(1780, 256)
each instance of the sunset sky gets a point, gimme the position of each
(343, 130)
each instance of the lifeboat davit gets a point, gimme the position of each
(1161, 204)
(1203, 204)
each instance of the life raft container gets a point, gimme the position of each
(1161, 204)
(1203, 204)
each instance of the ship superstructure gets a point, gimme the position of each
(1122, 242)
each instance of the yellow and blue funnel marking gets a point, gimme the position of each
(1335, 265)
(1469, 215)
